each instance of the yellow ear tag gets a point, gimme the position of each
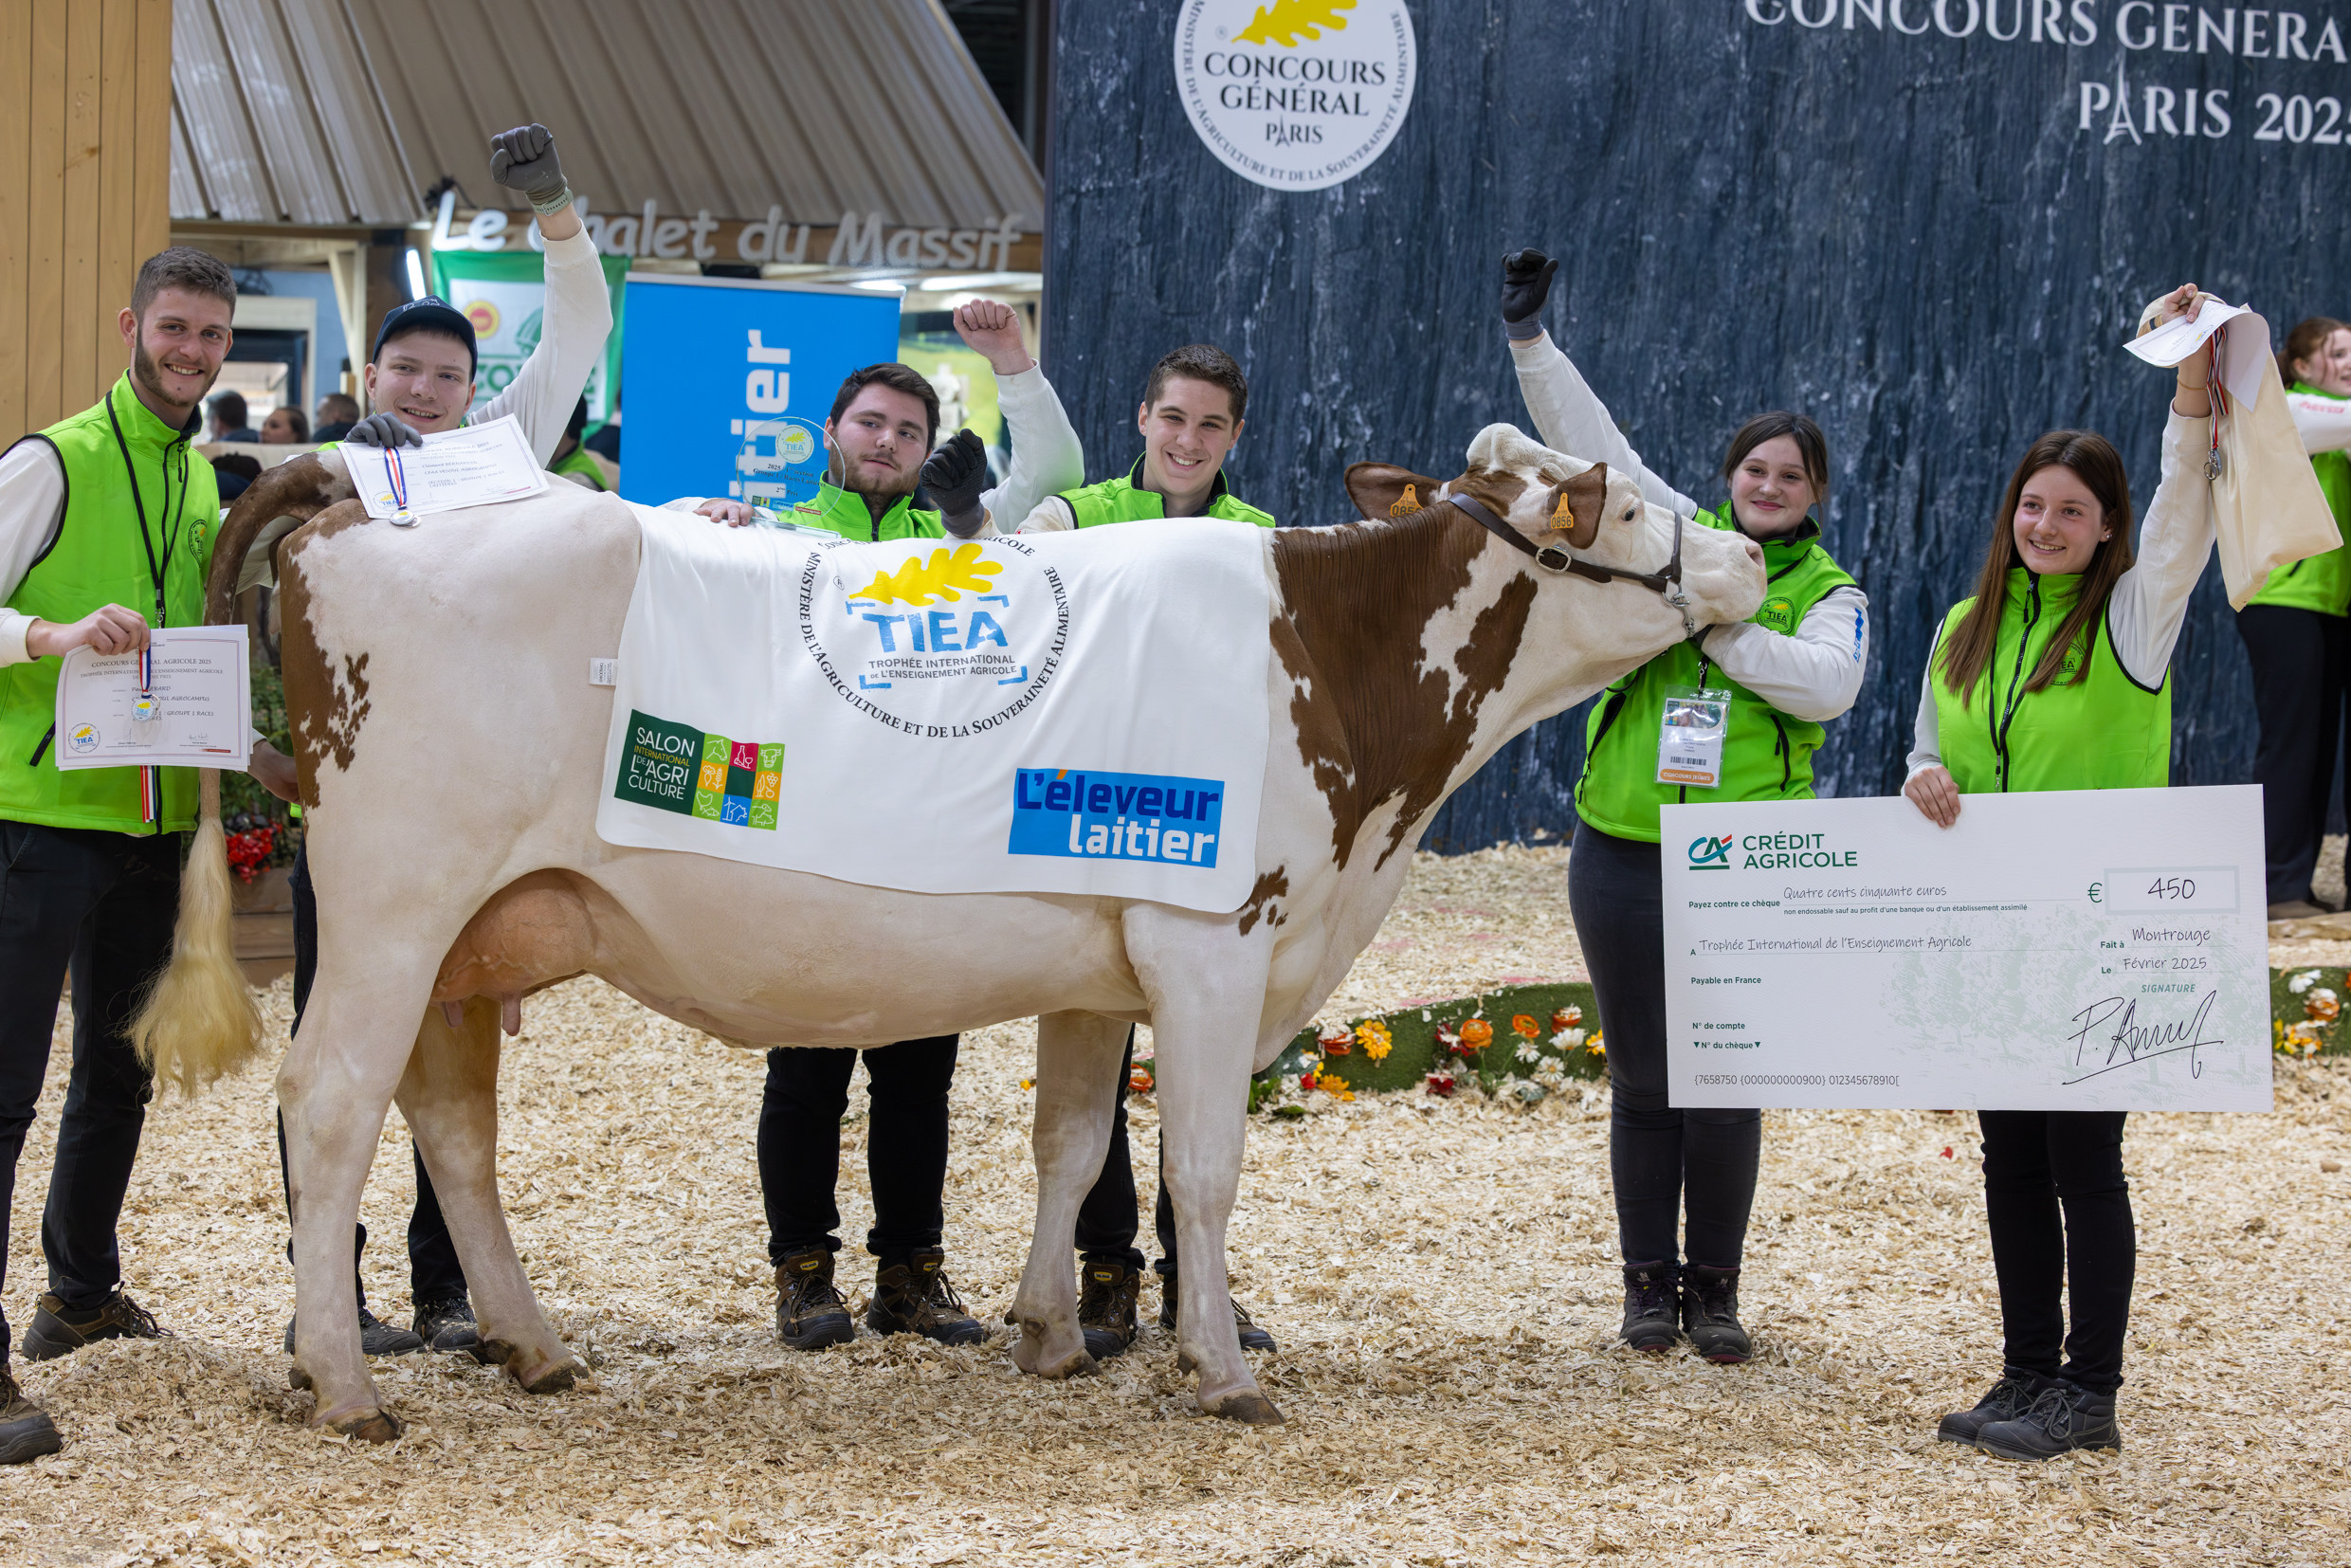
(1408, 501)
(1562, 516)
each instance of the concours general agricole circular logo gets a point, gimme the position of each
(1296, 94)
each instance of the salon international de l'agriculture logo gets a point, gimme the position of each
(1296, 94)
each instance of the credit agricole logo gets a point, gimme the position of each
(1296, 94)
(1708, 853)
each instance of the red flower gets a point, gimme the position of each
(1441, 1083)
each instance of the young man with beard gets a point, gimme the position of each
(106, 528)
(884, 420)
(1189, 420)
(419, 381)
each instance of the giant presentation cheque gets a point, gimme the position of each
(2074, 950)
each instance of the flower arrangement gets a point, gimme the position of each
(1376, 1039)
(250, 843)
(1335, 1039)
(2295, 1039)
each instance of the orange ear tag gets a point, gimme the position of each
(1563, 517)
(1408, 501)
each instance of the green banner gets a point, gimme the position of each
(504, 294)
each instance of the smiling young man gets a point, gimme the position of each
(106, 526)
(884, 420)
(1189, 419)
(419, 381)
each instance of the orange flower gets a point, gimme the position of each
(1524, 1024)
(1566, 1018)
(1476, 1033)
(2321, 1006)
(1138, 1081)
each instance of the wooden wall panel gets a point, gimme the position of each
(85, 97)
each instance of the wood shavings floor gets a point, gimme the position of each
(1442, 1277)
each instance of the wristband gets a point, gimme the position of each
(547, 207)
(1524, 332)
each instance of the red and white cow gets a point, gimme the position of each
(450, 757)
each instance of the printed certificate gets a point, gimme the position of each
(474, 466)
(193, 711)
(2075, 950)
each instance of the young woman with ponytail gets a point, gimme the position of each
(1788, 670)
(2053, 676)
(2297, 634)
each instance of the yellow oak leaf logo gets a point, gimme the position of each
(1281, 21)
(919, 582)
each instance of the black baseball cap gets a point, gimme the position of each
(435, 314)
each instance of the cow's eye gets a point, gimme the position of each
(1630, 511)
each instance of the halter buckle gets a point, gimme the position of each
(1552, 558)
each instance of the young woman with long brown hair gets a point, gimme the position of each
(2297, 634)
(2054, 676)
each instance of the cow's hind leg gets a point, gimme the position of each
(1077, 1090)
(449, 1096)
(335, 1085)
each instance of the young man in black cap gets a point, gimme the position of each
(419, 381)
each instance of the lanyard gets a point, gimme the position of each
(156, 571)
(2015, 680)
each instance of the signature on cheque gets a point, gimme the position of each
(2132, 1039)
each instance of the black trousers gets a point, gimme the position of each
(435, 1276)
(101, 905)
(2302, 671)
(1663, 1161)
(807, 1090)
(2036, 1163)
(1107, 1221)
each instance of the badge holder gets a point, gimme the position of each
(1697, 721)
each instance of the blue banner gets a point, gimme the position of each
(1130, 816)
(725, 383)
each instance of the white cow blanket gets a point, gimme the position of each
(1058, 713)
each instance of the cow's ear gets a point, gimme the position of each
(1382, 490)
(1575, 505)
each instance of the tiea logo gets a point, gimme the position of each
(1708, 853)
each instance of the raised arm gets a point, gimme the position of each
(2150, 601)
(577, 317)
(1046, 455)
(1568, 416)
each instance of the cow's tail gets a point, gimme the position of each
(198, 1021)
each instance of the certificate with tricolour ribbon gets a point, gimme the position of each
(2072, 950)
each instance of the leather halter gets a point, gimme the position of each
(1666, 585)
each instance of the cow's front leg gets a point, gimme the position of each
(1207, 986)
(334, 1087)
(449, 1096)
(1076, 1091)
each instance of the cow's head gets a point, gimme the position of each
(1579, 508)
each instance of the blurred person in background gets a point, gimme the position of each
(2297, 630)
(574, 461)
(337, 414)
(228, 418)
(285, 426)
(234, 473)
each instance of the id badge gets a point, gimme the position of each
(1689, 742)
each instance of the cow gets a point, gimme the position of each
(451, 757)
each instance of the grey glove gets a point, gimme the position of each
(954, 475)
(1525, 285)
(524, 159)
(383, 429)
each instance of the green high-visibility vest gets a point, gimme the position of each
(2322, 582)
(1767, 755)
(1126, 500)
(845, 513)
(582, 462)
(96, 559)
(2103, 730)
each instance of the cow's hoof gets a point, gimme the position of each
(1076, 1364)
(367, 1426)
(1247, 1407)
(555, 1379)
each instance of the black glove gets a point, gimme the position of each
(1526, 283)
(383, 429)
(954, 475)
(524, 159)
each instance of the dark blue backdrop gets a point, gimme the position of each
(1910, 235)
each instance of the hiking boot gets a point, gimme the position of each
(2004, 1401)
(26, 1429)
(1710, 1315)
(2061, 1418)
(1652, 1313)
(915, 1298)
(810, 1313)
(449, 1326)
(1106, 1297)
(58, 1330)
(377, 1338)
(1252, 1337)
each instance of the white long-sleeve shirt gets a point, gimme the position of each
(541, 396)
(1814, 673)
(2149, 603)
(2322, 422)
